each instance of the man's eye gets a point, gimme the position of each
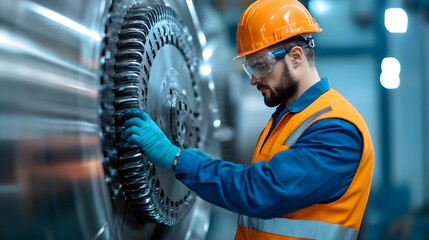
(260, 66)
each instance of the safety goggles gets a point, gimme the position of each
(262, 65)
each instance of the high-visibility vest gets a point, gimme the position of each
(337, 220)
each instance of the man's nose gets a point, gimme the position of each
(254, 80)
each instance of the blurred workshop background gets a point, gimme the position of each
(67, 71)
(376, 54)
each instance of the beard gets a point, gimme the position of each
(284, 91)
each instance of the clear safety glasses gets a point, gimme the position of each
(261, 65)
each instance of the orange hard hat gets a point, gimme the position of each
(267, 22)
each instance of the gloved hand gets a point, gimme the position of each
(142, 131)
(198, 152)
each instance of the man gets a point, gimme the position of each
(312, 166)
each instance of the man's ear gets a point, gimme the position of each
(297, 55)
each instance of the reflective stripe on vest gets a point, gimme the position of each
(293, 137)
(299, 228)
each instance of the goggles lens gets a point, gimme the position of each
(261, 65)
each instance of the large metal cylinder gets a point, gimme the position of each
(67, 71)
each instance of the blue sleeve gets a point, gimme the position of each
(317, 169)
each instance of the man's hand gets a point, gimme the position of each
(143, 132)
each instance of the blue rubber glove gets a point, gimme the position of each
(198, 152)
(143, 132)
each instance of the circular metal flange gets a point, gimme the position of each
(155, 69)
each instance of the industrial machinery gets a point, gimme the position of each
(68, 70)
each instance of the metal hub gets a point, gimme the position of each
(169, 76)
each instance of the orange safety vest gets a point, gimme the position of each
(338, 220)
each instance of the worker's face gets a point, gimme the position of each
(278, 86)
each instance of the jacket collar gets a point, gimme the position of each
(305, 99)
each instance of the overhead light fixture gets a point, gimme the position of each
(390, 70)
(396, 20)
(319, 6)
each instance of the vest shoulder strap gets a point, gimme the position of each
(296, 134)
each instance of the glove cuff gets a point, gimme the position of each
(169, 157)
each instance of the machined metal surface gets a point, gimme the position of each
(66, 74)
(51, 179)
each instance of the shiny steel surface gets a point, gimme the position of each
(52, 181)
(58, 143)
